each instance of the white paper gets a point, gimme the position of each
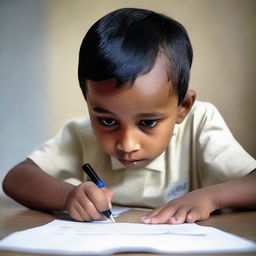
(117, 210)
(104, 237)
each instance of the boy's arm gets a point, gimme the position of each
(198, 204)
(29, 185)
(239, 193)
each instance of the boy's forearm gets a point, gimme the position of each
(29, 185)
(239, 193)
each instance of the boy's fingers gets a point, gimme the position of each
(196, 214)
(78, 213)
(160, 215)
(193, 216)
(85, 202)
(179, 217)
(164, 215)
(75, 215)
(89, 208)
(146, 219)
(109, 194)
(83, 214)
(97, 196)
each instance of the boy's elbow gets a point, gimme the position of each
(4, 185)
(8, 183)
(12, 179)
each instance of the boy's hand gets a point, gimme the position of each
(86, 202)
(197, 205)
(194, 206)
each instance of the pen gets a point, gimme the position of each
(99, 183)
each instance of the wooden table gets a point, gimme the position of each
(14, 217)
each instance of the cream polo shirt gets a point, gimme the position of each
(202, 152)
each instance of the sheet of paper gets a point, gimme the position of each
(117, 210)
(104, 237)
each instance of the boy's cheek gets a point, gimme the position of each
(106, 142)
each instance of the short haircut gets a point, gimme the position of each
(125, 44)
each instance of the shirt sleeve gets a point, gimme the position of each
(61, 156)
(222, 158)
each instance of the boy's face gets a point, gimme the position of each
(134, 123)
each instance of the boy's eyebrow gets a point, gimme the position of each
(102, 111)
(151, 115)
(141, 115)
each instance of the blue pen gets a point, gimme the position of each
(99, 183)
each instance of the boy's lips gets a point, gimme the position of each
(133, 163)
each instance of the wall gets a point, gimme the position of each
(39, 54)
(23, 80)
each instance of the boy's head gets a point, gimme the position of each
(134, 70)
(125, 44)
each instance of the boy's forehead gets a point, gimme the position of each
(154, 82)
(103, 87)
(131, 100)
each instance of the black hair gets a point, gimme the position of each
(125, 44)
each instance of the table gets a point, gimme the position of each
(14, 217)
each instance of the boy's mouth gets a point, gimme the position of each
(133, 163)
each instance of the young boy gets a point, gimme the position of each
(147, 137)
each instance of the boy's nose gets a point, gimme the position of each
(128, 142)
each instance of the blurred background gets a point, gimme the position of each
(39, 45)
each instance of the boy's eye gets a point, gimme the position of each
(107, 122)
(149, 123)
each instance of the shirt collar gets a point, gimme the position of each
(175, 130)
(157, 164)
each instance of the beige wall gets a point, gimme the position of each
(23, 117)
(223, 37)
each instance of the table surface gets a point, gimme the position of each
(14, 217)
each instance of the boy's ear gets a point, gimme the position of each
(186, 105)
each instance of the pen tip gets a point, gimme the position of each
(112, 218)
